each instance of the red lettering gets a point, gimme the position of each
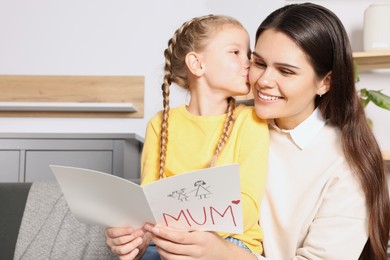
(204, 215)
(177, 219)
(212, 209)
(228, 213)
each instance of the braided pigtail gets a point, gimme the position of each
(172, 74)
(227, 128)
(165, 115)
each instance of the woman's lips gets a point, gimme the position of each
(267, 97)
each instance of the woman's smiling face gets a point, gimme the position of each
(283, 81)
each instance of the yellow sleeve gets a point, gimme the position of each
(253, 145)
(150, 159)
(253, 161)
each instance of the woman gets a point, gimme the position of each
(327, 190)
(327, 195)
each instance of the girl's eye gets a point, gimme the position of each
(236, 52)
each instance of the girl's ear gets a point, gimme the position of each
(325, 84)
(194, 63)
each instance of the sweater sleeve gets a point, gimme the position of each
(253, 145)
(253, 171)
(151, 152)
(339, 229)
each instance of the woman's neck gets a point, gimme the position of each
(292, 121)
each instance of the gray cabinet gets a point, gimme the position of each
(26, 157)
(9, 165)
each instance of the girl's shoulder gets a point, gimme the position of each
(247, 113)
(243, 109)
(156, 119)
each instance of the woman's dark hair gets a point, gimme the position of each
(322, 37)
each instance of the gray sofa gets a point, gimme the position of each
(35, 223)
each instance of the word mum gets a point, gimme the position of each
(210, 216)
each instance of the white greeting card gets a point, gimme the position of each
(207, 199)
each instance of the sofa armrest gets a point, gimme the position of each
(13, 198)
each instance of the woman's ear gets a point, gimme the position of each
(325, 84)
(194, 63)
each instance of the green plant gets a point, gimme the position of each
(375, 96)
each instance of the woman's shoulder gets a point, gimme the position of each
(329, 139)
(331, 135)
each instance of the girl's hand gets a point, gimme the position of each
(177, 244)
(126, 242)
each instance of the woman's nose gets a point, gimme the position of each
(265, 78)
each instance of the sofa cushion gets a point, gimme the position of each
(50, 231)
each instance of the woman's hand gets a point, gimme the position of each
(126, 242)
(177, 244)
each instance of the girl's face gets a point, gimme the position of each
(225, 62)
(283, 81)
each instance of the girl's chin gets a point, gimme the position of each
(244, 92)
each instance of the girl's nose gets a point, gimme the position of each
(247, 63)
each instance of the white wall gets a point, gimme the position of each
(123, 37)
(102, 37)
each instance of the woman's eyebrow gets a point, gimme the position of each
(277, 63)
(256, 54)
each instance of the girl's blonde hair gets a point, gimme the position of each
(193, 35)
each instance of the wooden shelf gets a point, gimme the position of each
(67, 107)
(372, 60)
(386, 155)
(71, 96)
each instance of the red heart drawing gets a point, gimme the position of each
(235, 201)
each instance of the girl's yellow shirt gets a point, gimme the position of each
(191, 145)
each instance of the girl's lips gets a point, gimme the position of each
(246, 77)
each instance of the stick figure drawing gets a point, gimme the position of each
(201, 190)
(181, 195)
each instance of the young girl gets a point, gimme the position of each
(208, 56)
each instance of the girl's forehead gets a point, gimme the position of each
(230, 34)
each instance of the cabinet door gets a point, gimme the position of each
(37, 162)
(9, 165)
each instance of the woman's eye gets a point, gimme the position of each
(286, 72)
(259, 63)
